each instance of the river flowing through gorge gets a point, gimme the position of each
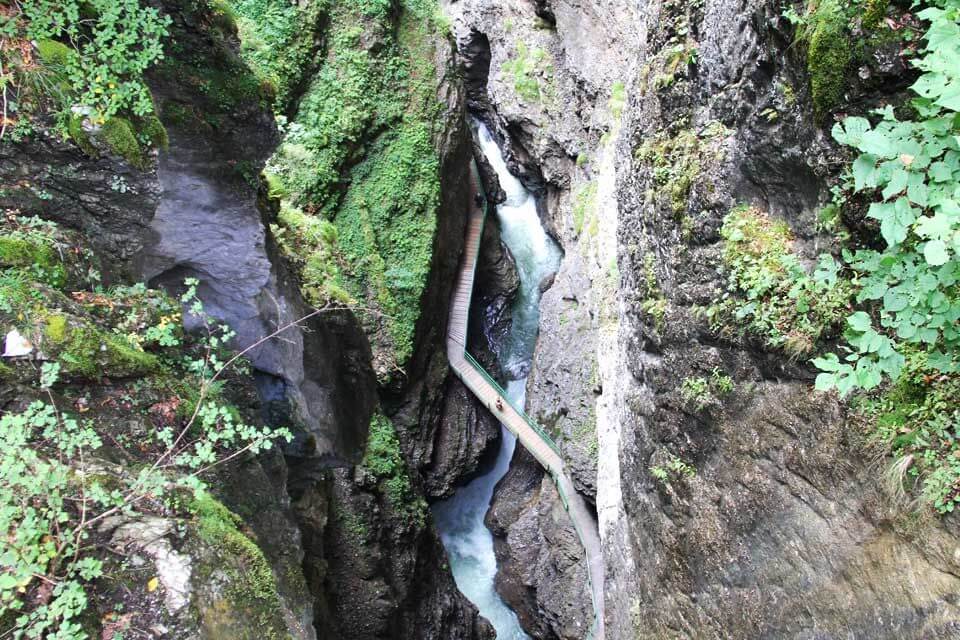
(460, 519)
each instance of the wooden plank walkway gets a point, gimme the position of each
(513, 418)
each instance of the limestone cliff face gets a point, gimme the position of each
(783, 531)
(641, 126)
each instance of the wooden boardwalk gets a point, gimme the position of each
(528, 433)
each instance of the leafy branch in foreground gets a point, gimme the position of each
(910, 287)
(97, 50)
(907, 331)
(53, 491)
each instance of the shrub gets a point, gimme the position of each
(906, 330)
(111, 44)
(912, 167)
(769, 292)
(53, 492)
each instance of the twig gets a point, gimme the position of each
(3, 121)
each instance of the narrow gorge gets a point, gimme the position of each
(476, 319)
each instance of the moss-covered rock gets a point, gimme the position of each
(87, 352)
(249, 604)
(54, 53)
(41, 258)
(829, 56)
(121, 138)
(153, 130)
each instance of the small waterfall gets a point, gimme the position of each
(468, 542)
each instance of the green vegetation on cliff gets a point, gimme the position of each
(62, 436)
(385, 461)
(771, 295)
(278, 40)
(907, 328)
(360, 153)
(838, 34)
(896, 296)
(250, 607)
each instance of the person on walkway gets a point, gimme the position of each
(499, 404)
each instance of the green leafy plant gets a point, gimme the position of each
(912, 166)
(770, 294)
(901, 344)
(99, 49)
(674, 468)
(702, 392)
(52, 492)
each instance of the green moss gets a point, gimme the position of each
(311, 243)
(676, 165)
(829, 55)
(224, 17)
(618, 99)
(53, 53)
(119, 135)
(251, 603)
(583, 204)
(6, 372)
(278, 40)
(88, 352)
(79, 136)
(153, 130)
(384, 460)
(56, 328)
(41, 260)
(526, 70)
(874, 11)
(386, 228)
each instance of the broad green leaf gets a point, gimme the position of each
(825, 382)
(895, 301)
(865, 171)
(878, 143)
(897, 183)
(935, 226)
(935, 253)
(859, 321)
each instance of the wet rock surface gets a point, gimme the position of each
(541, 575)
(783, 511)
(382, 566)
(210, 226)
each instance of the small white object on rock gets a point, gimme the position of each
(16, 345)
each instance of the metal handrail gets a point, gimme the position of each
(533, 425)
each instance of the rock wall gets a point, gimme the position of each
(784, 530)
(197, 209)
(641, 126)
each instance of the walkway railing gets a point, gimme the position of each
(482, 384)
(493, 383)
